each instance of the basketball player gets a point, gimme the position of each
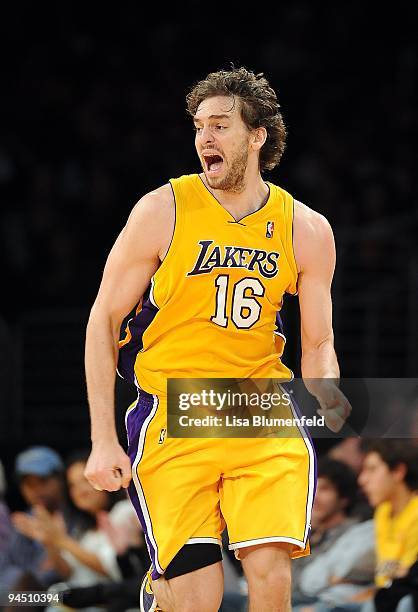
(220, 250)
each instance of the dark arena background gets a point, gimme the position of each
(93, 117)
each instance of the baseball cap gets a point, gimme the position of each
(38, 461)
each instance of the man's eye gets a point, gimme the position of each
(220, 127)
(197, 128)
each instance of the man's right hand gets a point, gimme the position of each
(133, 260)
(108, 467)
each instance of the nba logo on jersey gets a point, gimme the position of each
(162, 436)
(269, 229)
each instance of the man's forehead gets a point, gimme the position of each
(217, 105)
(32, 479)
(324, 481)
(372, 459)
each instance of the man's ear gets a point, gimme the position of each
(258, 138)
(400, 471)
(344, 502)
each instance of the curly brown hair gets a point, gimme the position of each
(259, 106)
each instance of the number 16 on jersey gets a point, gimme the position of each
(245, 309)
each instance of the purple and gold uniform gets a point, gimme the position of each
(212, 313)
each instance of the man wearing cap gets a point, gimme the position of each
(24, 564)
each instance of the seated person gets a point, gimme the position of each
(389, 478)
(331, 517)
(25, 563)
(87, 554)
(346, 569)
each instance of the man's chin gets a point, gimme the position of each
(213, 181)
(223, 183)
(375, 500)
(220, 183)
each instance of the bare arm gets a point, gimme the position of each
(58, 563)
(315, 258)
(50, 530)
(84, 556)
(134, 258)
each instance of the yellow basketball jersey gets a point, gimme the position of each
(396, 540)
(213, 304)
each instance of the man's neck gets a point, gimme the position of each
(331, 521)
(240, 204)
(400, 499)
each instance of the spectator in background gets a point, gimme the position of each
(390, 480)
(341, 573)
(26, 563)
(351, 452)
(87, 552)
(108, 547)
(123, 530)
(335, 496)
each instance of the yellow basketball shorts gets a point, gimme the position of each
(186, 490)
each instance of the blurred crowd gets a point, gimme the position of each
(79, 541)
(88, 545)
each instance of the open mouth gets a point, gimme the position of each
(213, 163)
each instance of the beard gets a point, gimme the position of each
(234, 180)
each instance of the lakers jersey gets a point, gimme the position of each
(213, 305)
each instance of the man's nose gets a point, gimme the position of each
(206, 135)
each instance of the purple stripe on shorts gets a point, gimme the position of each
(135, 423)
(308, 435)
(280, 328)
(306, 431)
